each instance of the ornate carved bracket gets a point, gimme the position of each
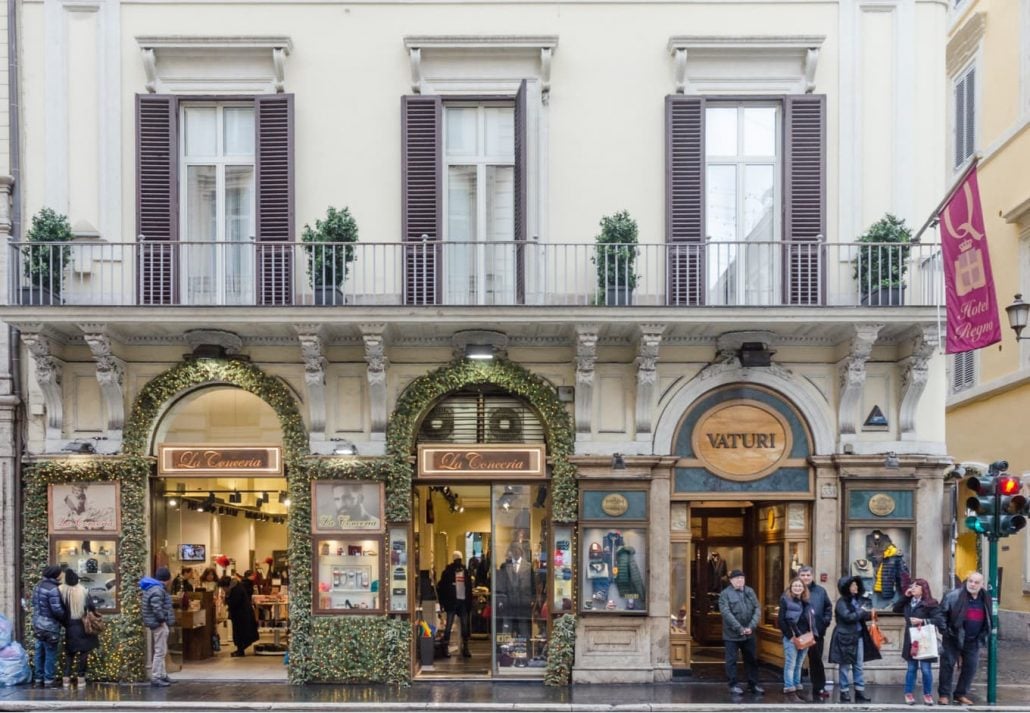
(110, 375)
(545, 74)
(314, 375)
(586, 357)
(279, 68)
(49, 372)
(150, 68)
(680, 68)
(647, 375)
(811, 62)
(852, 376)
(913, 378)
(415, 59)
(375, 357)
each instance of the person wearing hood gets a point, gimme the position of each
(47, 615)
(455, 592)
(77, 642)
(919, 608)
(156, 609)
(851, 645)
(241, 613)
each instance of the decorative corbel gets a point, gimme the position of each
(811, 62)
(586, 357)
(545, 74)
(417, 81)
(680, 68)
(110, 375)
(375, 357)
(150, 67)
(6, 191)
(315, 363)
(647, 375)
(915, 369)
(852, 376)
(279, 67)
(49, 371)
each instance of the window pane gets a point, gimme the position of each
(760, 266)
(500, 259)
(500, 131)
(201, 225)
(461, 131)
(759, 185)
(239, 229)
(201, 131)
(760, 131)
(460, 260)
(721, 131)
(238, 125)
(721, 203)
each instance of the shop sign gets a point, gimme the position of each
(881, 504)
(481, 461)
(742, 439)
(187, 460)
(615, 504)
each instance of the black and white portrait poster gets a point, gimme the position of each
(83, 507)
(347, 506)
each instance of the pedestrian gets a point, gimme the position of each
(795, 618)
(47, 615)
(822, 613)
(77, 642)
(919, 608)
(740, 611)
(455, 592)
(966, 617)
(156, 609)
(241, 613)
(851, 645)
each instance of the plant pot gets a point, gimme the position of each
(327, 295)
(618, 296)
(884, 297)
(39, 296)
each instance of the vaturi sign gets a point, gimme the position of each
(742, 440)
(481, 461)
(221, 460)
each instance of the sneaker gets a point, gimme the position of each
(910, 699)
(927, 700)
(964, 700)
(167, 680)
(862, 698)
(159, 683)
(943, 700)
(736, 690)
(757, 690)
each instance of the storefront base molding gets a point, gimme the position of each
(612, 649)
(1014, 625)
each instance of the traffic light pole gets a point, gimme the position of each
(992, 650)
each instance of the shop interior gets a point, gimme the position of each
(205, 527)
(491, 525)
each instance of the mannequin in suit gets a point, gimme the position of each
(515, 591)
(716, 573)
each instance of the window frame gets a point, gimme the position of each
(970, 68)
(972, 367)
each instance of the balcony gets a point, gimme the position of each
(452, 274)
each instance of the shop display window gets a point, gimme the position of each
(347, 575)
(614, 570)
(563, 567)
(95, 560)
(398, 569)
(879, 544)
(772, 559)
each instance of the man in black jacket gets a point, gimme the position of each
(822, 610)
(967, 622)
(740, 612)
(455, 592)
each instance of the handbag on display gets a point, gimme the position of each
(878, 637)
(924, 642)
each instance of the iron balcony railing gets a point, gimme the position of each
(475, 274)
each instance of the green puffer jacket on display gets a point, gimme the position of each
(629, 580)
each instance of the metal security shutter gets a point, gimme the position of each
(521, 196)
(273, 121)
(157, 199)
(421, 197)
(965, 116)
(963, 370)
(685, 198)
(804, 199)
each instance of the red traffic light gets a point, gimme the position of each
(1008, 485)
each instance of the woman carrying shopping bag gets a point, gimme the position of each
(922, 617)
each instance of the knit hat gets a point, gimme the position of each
(736, 573)
(162, 574)
(52, 571)
(71, 578)
(456, 555)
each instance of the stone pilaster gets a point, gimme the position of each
(586, 357)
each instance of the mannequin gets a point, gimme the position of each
(716, 572)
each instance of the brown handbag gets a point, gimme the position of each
(878, 637)
(806, 640)
(93, 623)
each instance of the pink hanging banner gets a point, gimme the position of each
(973, 321)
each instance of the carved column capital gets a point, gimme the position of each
(49, 373)
(586, 357)
(915, 371)
(647, 376)
(852, 375)
(110, 375)
(375, 357)
(315, 363)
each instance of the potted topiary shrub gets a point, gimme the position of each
(330, 251)
(615, 255)
(880, 266)
(43, 265)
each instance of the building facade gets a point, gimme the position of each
(988, 124)
(724, 377)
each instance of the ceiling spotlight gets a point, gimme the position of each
(236, 497)
(264, 498)
(172, 502)
(283, 497)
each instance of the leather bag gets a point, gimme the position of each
(93, 623)
(878, 637)
(806, 640)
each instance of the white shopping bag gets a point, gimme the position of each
(924, 641)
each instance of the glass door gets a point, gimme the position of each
(520, 579)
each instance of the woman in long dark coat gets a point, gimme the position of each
(241, 613)
(851, 645)
(77, 643)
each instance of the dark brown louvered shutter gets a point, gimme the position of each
(685, 198)
(421, 197)
(804, 198)
(157, 199)
(521, 197)
(273, 124)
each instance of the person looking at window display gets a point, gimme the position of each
(852, 645)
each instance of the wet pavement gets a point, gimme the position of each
(696, 693)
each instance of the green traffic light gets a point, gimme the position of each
(974, 523)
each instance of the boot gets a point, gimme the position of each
(75, 681)
(861, 697)
(845, 697)
(465, 650)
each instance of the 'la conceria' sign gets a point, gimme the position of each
(742, 439)
(522, 461)
(185, 460)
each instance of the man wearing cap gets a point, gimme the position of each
(156, 608)
(739, 608)
(455, 592)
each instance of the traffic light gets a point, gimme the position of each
(984, 504)
(1012, 506)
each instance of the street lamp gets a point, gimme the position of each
(1018, 313)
